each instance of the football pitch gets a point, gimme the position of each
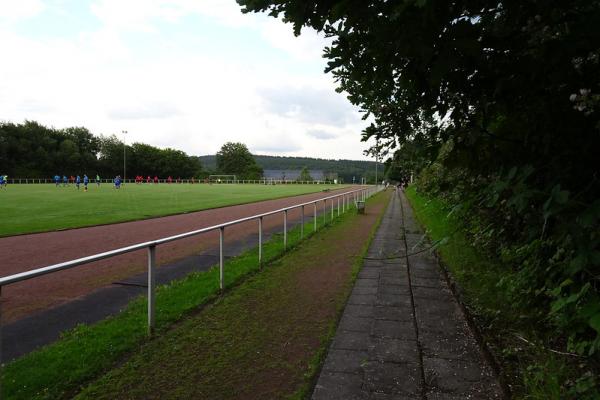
(45, 207)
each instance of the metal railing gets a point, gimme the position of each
(263, 181)
(344, 202)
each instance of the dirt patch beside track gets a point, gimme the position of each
(26, 252)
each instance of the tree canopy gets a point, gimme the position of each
(34, 151)
(305, 175)
(236, 159)
(495, 104)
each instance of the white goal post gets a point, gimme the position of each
(222, 178)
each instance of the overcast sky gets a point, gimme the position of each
(187, 74)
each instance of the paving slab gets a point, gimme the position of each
(404, 312)
(392, 378)
(364, 290)
(339, 386)
(393, 350)
(402, 334)
(351, 340)
(355, 324)
(365, 299)
(347, 361)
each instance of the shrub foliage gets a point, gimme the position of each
(496, 105)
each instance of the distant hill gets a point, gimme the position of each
(346, 169)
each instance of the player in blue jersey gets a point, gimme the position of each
(86, 180)
(77, 181)
(2, 185)
(57, 180)
(65, 180)
(117, 181)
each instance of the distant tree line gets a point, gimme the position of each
(346, 169)
(35, 151)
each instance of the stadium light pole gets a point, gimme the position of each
(376, 161)
(124, 157)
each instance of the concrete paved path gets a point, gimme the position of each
(402, 334)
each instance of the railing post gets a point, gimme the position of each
(1, 372)
(285, 230)
(260, 241)
(221, 274)
(338, 207)
(151, 291)
(302, 224)
(315, 216)
(332, 209)
(324, 212)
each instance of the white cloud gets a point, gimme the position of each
(309, 104)
(135, 14)
(308, 46)
(147, 110)
(176, 93)
(321, 134)
(14, 10)
(143, 14)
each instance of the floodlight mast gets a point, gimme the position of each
(124, 157)
(376, 161)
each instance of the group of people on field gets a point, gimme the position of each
(139, 179)
(76, 180)
(117, 181)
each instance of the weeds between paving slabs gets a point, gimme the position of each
(530, 366)
(262, 340)
(60, 369)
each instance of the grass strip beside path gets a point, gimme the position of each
(261, 339)
(530, 369)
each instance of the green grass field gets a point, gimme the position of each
(45, 207)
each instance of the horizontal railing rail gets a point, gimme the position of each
(263, 181)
